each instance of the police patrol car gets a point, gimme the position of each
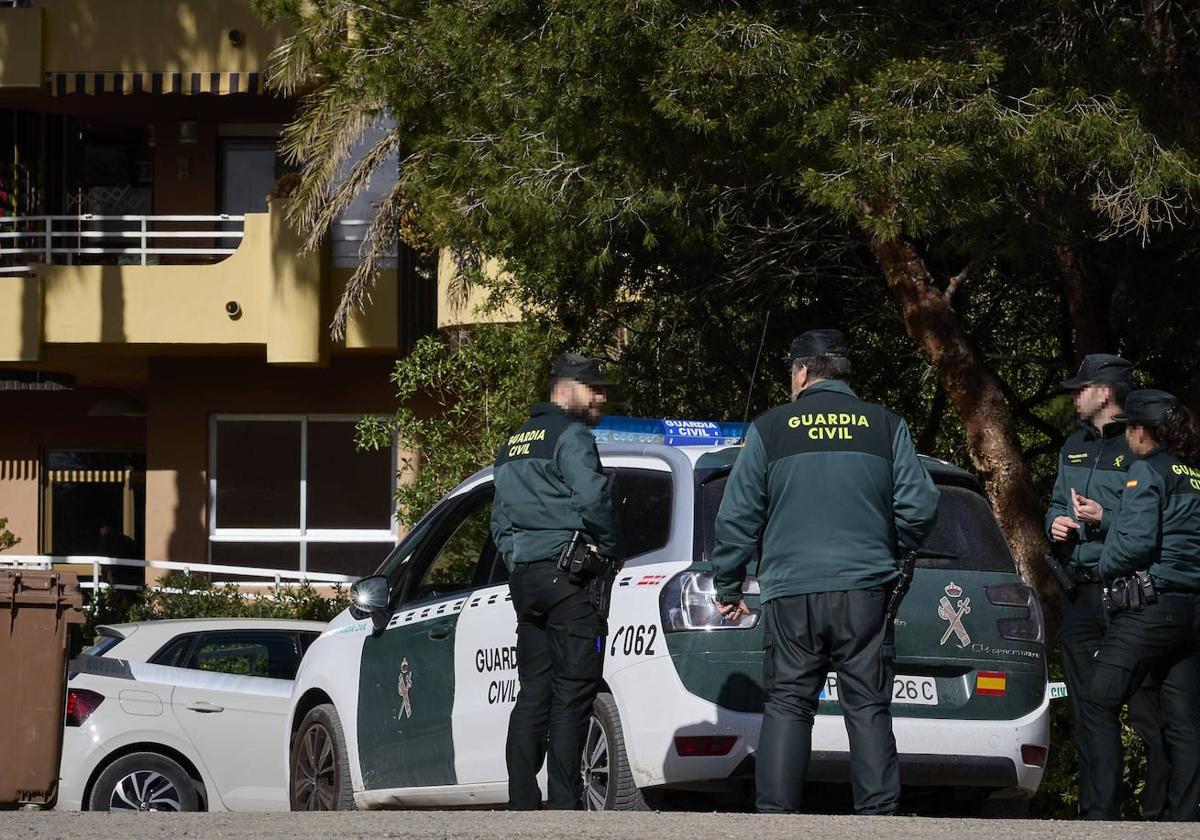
(404, 700)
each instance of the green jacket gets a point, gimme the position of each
(549, 483)
(1094, 462)
(1157, 524)
(833, 488)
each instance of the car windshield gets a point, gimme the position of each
(965, 537)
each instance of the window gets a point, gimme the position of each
(292, 492)
(643, 501)
(453, 568)
(966, 535)
(257, 653)
(175, 653)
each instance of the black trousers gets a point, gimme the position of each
(1159, 640)
(560, 663)
(1084, 624)
(803, 636)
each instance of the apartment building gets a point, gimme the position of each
(168, 386)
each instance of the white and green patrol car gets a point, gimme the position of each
(404, 700)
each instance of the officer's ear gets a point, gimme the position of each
(799, 377)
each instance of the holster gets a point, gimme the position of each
(1066, 581)
(587, 568)
(1132, 592)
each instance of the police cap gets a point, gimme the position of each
(1147, 407)
(1100, 368)
(813, 343)
(582, 369)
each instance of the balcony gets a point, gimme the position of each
(188, 280)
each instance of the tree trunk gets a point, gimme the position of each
(1084, 302)
(975, 393)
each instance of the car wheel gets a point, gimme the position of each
(320, 777)
(144, 781)
(607, 781)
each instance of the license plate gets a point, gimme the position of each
(909, 691)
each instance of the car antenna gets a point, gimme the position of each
(754, 377)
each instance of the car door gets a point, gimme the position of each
(486, 661)
(407, 674)
(231, 699)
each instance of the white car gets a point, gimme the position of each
(404, 700)
(181, 716)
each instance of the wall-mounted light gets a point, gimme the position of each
(189, 131)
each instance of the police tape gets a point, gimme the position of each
(1058, 690)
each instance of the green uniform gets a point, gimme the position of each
(548, 484)
(834, 488)
(1158, 525)
(1094, 463)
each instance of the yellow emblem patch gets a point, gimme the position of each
(1131, 483)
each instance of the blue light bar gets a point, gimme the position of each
(614, 429)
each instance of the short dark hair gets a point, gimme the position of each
(1119, 391)
(824, 367)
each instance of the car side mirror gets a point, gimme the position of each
(370, 597)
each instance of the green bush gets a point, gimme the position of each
(184, 595)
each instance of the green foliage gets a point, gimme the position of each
(459, 397)
(184, 595)
(7, 538)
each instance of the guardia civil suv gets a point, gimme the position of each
(404, 700)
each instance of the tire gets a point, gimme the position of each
(144, 781)
(607, 781)
(319, 777)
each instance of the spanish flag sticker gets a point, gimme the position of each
(991, 682)
(1131, 483)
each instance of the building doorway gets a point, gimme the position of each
(94, 502)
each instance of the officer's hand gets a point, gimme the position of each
(1062, 527)
(732, 612)
(1086, 510)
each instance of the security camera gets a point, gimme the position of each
(233, 309)
(237, 37)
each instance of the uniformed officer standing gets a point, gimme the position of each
(548, 485)
(832, 489)
(1092, 468)
(1157, 530)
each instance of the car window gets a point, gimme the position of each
(642, 499)
(966, 535)
(711, 493)
(462, 554)
(174, 652)
(257, 653)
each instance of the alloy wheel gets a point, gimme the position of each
(144, 790)
(595, 766)
(316, 770)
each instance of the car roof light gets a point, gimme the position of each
(671, 432)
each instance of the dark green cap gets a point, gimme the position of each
(819, 343)
(582, 369)
(1102, 368)
(1147, 407)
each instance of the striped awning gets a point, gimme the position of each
(91, 476)
(62, 84)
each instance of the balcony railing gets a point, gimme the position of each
(116, 240)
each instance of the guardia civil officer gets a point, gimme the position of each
(1092, 468)
(831, 488)
(1157, 530)
(548, 485)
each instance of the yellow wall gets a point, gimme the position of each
(127, 35)
(20, 318)
(455, 310)
(375, 328)
(21, 47)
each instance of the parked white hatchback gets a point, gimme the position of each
(181, 715)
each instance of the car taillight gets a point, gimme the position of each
(688, 602)
(1030, 627)
(80, 705)
(698, 745)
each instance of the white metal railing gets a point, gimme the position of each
(274, 577)
(25, 240)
